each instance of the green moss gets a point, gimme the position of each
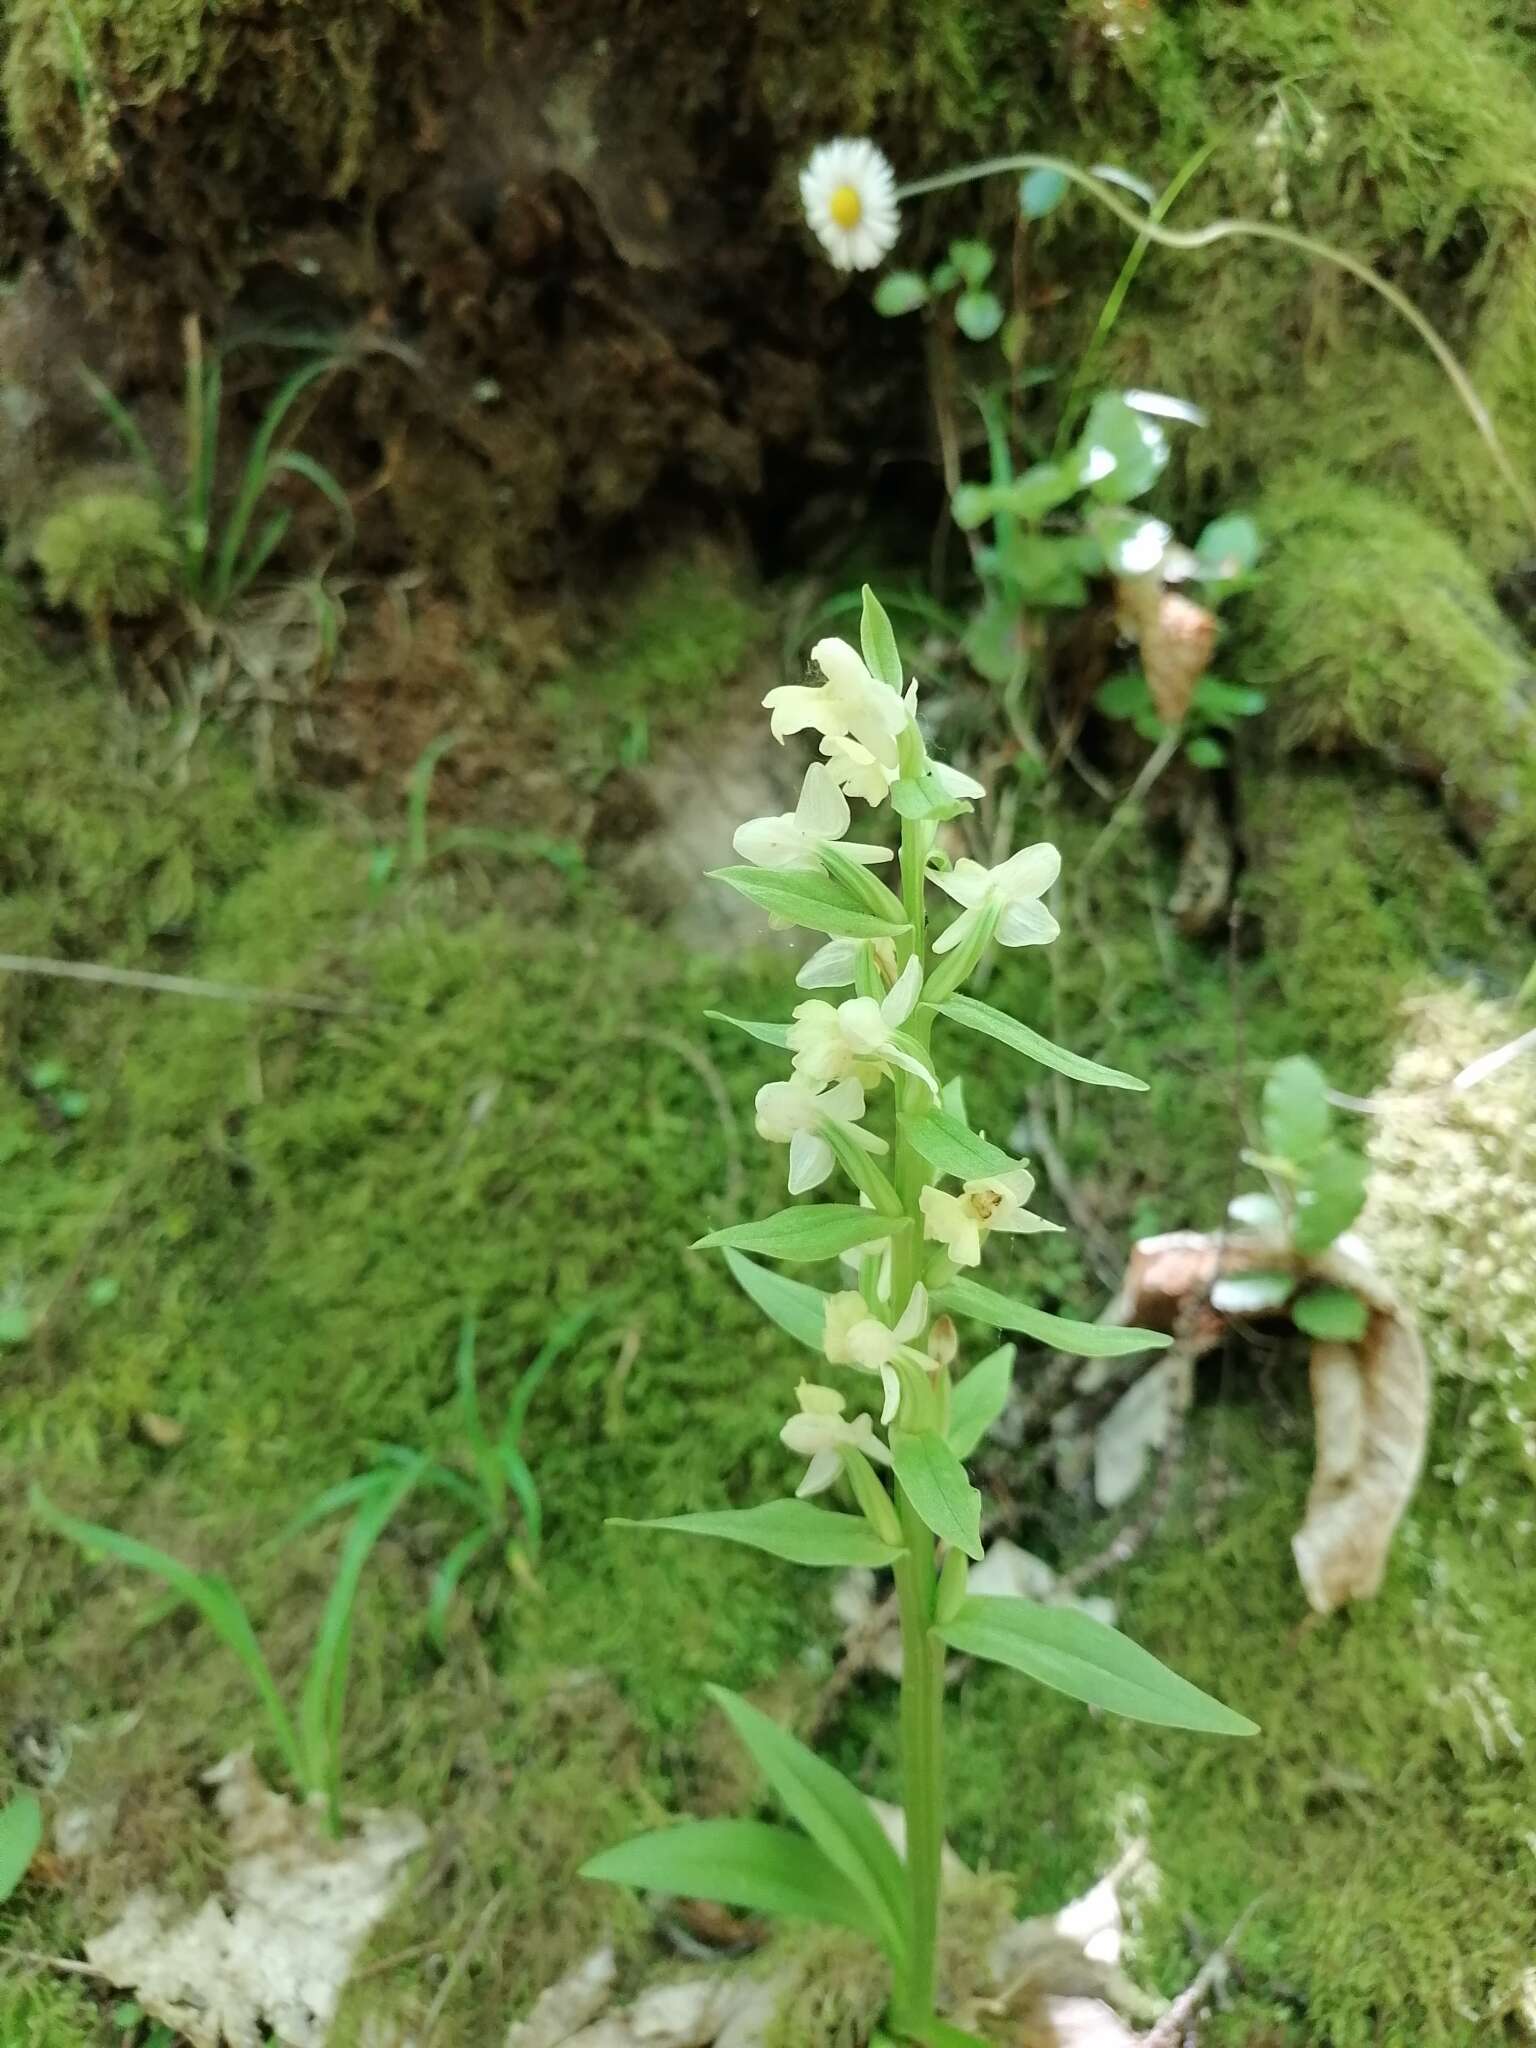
(1363, 894)
(110, 554)
(77, 79)
(292, 1208)
(1372, 630)
(123, 842)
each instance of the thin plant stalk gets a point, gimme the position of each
(922, 1656)
(1146, 226)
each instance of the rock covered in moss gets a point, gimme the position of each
(1373, 631)
(1453, 1190)
(109, 553)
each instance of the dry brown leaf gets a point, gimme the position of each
(1176, 637)
(267, 1959)
(1370, 1400)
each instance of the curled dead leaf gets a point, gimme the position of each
(1176, 637)
(1370, 1399)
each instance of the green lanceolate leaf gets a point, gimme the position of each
(862, 885)
(770, 1034)
(21, 1831)
(819, 1231)
(799, 1310)
(976, 1016)
(742, 1863)
(1083, 1340)
(835, 1816)
(1331, 1314)
(814, 901)
(1296, 1111)
(979, 1399)
(948, 1147)
(1069, 1650)
(877, 639)
(934, 1480)
(791, 1529)
(923, 797)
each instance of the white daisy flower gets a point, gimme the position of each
(791, 1113)
(822, 1433)
(848, 190)
(795, 838)
(1016, 887)
(960, 1222)
(860, 1037)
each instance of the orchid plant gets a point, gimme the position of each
(868, 1097)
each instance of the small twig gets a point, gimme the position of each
(709, 1074)
(461, 1963)
(401, 1956)
(1169, 2031)
(95, 972)
(858, 1656)
(1095, 1238)
(1123, 1547)
(1492, 1062)
(66, 1965)
(1151, 769)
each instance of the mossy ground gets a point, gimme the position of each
(289, 1210)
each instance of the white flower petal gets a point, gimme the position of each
(954, 783)
(957, 932)
(831, 965)
(1027, 924)
(862, 1024)
(810, 1161)
(967, 881)
(914, 1317)
(821, 1473)
(774, 843)
(822, 812)
(845, 1101)
(900, 1000)
(890, 1379)
(1029, 872)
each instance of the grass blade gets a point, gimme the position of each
(256, 473)
(213, 1597)
(488, 1470)
(559, 1341)
(445, 1582)
(325, 1687)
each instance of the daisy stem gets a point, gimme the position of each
(1225, 230)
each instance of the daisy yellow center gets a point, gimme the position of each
(846, 207)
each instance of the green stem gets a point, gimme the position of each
(922, 1678)
(922, 1770)
(1256, 231)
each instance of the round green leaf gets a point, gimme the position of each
(1040, 193)
(900, 291)
(978, 315)
(1332, 1314)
